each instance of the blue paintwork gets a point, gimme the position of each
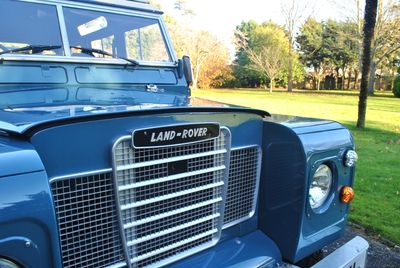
(18, 157)
(75, 113)
(26, 210)
(285, 214)
(33, 74)
(252, 250)
(97, 138)
(27, 215)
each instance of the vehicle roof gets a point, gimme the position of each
(143, 5)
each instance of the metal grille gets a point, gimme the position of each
(244, 173)
(88, 221)
(170, 198)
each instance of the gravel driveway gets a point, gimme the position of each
(381, 254)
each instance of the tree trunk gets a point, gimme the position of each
(196, 77)
(343, 78)
(290, 69)
(349, 79)
(318, 83)
(359, 44)
(337, 84)
(314, 83)
(393, 77)
(194, 85)
(271, 85)
(371, 83)
(369, 28)
(356, 74)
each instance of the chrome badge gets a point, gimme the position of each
(174, 135)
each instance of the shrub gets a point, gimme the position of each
(396, 87)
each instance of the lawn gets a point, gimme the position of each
(377, 185)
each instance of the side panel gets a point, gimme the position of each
(17, 157)
(325, 225)
(28, 231)
(282, 188)
(289, 163)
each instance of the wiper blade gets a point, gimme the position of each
(35, 49)
(90, 51)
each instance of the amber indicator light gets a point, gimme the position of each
(346, 194)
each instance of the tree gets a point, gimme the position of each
(293, 11)
(184, 7)
(339, 49)
(209, 56)
(396, 84)
(244, 74)
(330, 50)
(369, 28)
(215, 68)
(386, 40)
(267, 49)
(205, 51)
(310, 40)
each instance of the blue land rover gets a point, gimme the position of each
(107, 161)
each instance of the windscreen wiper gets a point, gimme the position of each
(34, 48)
(90, 51)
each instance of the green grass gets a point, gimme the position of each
(377, 185)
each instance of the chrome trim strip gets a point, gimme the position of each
(98, 7)
(118, 202)
(168, 40)
(171, 230)
(178, 211)
(117, 265)
(89, 60)
(245, 147)
(168, 160)
(82, 174)
(255, 196)
(161, 250)
(170, 178)
(169, 196)
(217, 231)
(63, 29)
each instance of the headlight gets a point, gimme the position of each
(7, 264)
(320, 186)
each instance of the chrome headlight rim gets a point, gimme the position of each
(350, 158)
(8, 263)
(321, 203)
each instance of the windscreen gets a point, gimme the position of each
(29, 24)
(136, 38)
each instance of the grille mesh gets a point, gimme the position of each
(243, 184)
(165, 215)
(88, 222)
(170, 198)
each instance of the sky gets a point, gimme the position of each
(220, 17)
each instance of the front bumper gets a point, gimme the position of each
(257, 250)
(352, 254)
